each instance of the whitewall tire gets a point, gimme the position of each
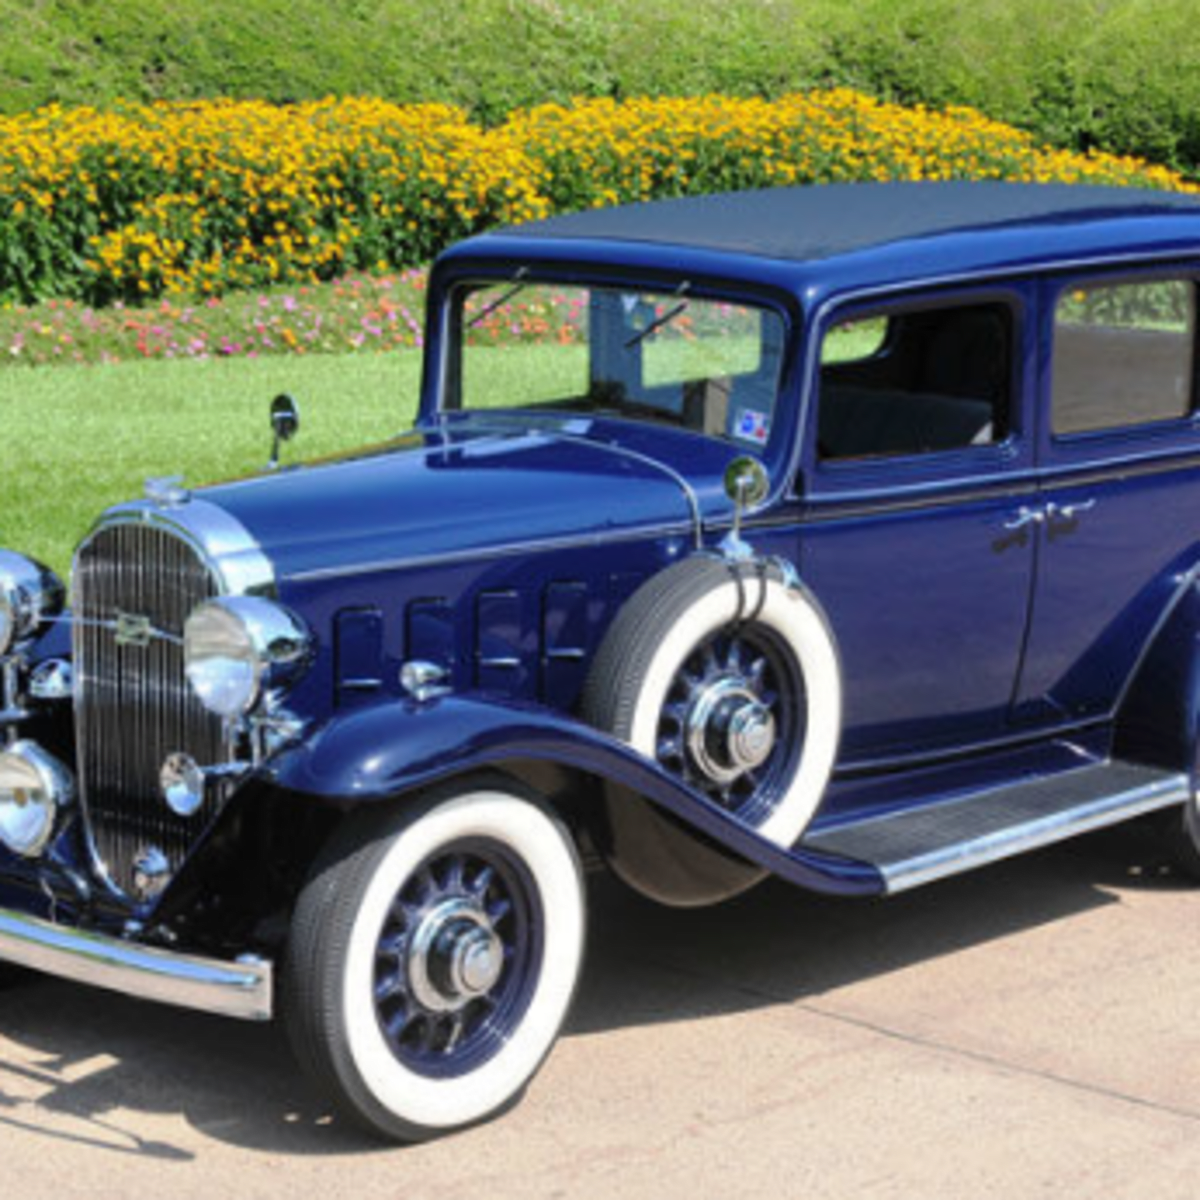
(433, 958)
(727, 675)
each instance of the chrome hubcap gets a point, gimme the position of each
(458, 958)
(455, 956)
(478, 961)
(733, 721)
(729, 730)
(751, 735)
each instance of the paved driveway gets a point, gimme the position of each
(1031, 1029)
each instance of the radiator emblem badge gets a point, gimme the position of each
(133, 630)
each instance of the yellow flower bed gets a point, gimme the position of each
(194, 198)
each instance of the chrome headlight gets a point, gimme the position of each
(239, 647)
(30, 595)
(33, 787)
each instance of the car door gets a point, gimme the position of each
(915, 530)
(1119, 452)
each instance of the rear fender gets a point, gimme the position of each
(1159, 718)
(376, 754)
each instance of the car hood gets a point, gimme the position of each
(437, 495)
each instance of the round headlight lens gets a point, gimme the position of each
(30, 594)
(238, 647)
(33, 787)
(221, 664)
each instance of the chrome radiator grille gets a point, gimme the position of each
(134, 586)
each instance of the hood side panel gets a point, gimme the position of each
(452, 499)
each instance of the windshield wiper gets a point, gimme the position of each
(665, 319)
(516, 289)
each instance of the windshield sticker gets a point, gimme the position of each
(753, 426)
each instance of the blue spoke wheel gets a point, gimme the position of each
(733, 721)
(456, 956)
(433, 956)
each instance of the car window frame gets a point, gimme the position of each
(446, 383)
(900, 473)
(1163, 435)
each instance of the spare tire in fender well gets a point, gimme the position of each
(727, 675)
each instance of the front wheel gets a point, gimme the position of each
(433, 956)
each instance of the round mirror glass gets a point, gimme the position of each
(285, 417)
(746, 482)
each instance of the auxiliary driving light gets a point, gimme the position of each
(182, 783)
(34, 785)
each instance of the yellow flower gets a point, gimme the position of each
(233, 192)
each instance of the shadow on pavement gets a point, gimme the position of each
(98, 1062)
(779, 944)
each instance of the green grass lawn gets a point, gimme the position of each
(77, 440)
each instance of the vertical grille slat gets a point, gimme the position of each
(134, 706)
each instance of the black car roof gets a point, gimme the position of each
(808, 223)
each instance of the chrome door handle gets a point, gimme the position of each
(1068, 512)
(1023, 518)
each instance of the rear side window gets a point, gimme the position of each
(1124, 355)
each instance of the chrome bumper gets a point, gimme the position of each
(240, 989)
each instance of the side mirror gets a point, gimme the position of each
(747, 485)
(746, 482)
(285, 424)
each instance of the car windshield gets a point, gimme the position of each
(704, 364)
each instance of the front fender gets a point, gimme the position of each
(378, 753)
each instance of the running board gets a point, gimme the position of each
(941, 839)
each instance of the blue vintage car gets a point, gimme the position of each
(846, 534)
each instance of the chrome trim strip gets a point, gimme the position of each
(12, 704)
(483, 553)
(1045, 831)
(220, 539)
(242, 989)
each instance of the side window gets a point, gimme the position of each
(916, 381)
(1124, 354)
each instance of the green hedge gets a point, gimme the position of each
(1119, 74)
